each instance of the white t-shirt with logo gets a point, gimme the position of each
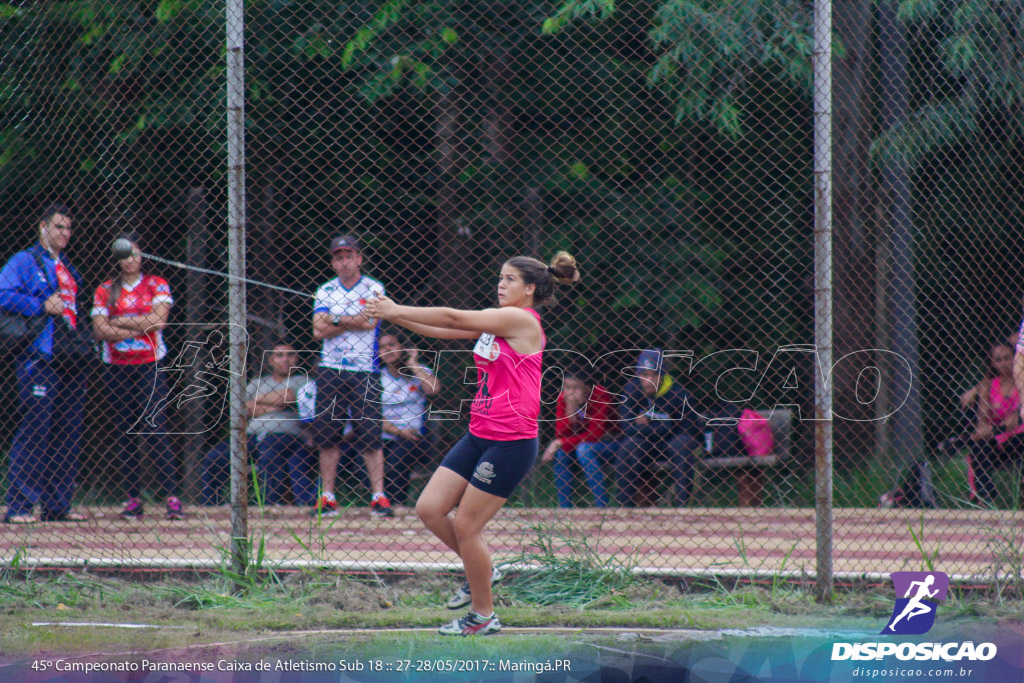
(355, 350)
(403, 403)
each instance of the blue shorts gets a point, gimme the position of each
(495, 467)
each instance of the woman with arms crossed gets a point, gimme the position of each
(483, 469)
(129, 314)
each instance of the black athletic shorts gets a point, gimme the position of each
(342, 395)
(495, 467)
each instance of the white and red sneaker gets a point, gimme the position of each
(472, 624)
(325, 507)
(381, 507)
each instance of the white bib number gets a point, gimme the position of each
(487, 347)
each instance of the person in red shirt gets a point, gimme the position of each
(129, 314)
(581, 421)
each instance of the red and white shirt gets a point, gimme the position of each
(68, 294)
(135, 300)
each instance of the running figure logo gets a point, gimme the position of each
(917, 597)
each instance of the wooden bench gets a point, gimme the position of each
(751, 470)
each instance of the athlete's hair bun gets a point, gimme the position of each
(563, 269)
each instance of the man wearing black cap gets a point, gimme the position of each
(658, 422)
(348, 377)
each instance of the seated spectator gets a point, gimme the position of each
(998, 438)
(405, 386)
(969, 398)
(968, 413)
(275, 437)
(581, 421)
(658, 424)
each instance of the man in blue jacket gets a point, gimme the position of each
(658, 423)
(44, 454)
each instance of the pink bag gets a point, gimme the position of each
(756, 433)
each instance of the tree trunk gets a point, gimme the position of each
(265, 306)
(852, 246)
(533, 223)
(907, 433)
(498, 124)
(451, 275)
(194, 416)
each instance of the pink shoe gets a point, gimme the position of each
(174, 510)
(133, 508)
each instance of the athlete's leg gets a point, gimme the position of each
(441, 494)
(476, 509)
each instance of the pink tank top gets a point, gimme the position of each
(1001, 406)
(507, 402)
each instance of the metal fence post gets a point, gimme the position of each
(822, 62)
(234, 28)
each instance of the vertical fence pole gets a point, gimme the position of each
(822, 63)
(235, 35)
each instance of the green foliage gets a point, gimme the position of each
(980, 58)
(926, 129)
(119, 82)
(577, 9)
(710, 52)
(928, 557)
(140, 113)
(388, 15)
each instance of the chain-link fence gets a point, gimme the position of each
(666, 145)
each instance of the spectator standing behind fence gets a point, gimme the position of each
(44, 455)
(581, 421)
(659, 423)
(348, 377)
(405, 386)
(997, 439)
(129, 313)
(275, 441)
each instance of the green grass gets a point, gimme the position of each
(570, 570)
(208, 610)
